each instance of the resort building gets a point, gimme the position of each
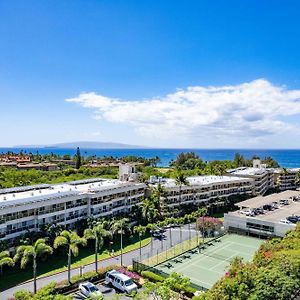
(205, 189)
(285, 179)
(28, 208)
(267, 178)
(262, 178)
(265, 216)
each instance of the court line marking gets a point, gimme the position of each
(201, 257)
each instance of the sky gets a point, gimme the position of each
(184, 74)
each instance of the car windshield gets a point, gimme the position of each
(128, 282)
(93, 289)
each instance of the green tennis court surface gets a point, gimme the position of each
(206, 267)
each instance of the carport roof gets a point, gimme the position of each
(260, 201)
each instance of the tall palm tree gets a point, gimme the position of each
(97, 233)
(27, 253)
(180, 180)
(119, 226)
(151, 227)
(149, 212)
(5, 260)
(140, 230)
(159, 194)
(71, 240)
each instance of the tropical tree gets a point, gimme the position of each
(149, 211)
(27, 253)
(119, 227)
(71, 240)
(151, 227)
(140, 230)
(159, 195)
(180, 180)
(298, 178)
(96, 233)
(5, 260)
(78, 158)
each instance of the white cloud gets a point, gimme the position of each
(255, 109)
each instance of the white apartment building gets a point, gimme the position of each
(267, 178)
(262, 178)
(205, 189)
(27, 208)
(285, 179)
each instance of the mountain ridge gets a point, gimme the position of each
(85, 145)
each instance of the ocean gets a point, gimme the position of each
(285, 158)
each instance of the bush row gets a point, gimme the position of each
(188, 291)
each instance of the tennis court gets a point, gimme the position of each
(206, 267)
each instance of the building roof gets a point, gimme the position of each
(244, 171)
(35, 193)
(260, 201)
(204, 180)
(284, 211)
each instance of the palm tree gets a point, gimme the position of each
(159, 194)
(151, 227)
(149, 211)
(26, 253)
(97, 233)
(5, 260)
(71, 240)
(140, 230)
(180, 180)
(119, 227)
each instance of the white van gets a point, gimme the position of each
(120, 281)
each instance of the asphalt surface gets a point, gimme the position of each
(127, 260)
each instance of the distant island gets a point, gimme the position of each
(85, 145)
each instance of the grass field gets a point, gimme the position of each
(206, 267)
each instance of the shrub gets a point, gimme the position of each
(22, 295)
(188, 290)
(152, 276)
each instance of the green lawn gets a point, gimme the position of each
(58, 262)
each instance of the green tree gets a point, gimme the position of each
(78, 158)
(96, 233)
(71, 240)
(27, 253)
(180, 180)
(149, 210)
(5, 260)
(298, 178)
(140, 230)
(119, 227)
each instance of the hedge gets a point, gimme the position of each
(152, 276)
(188, 291)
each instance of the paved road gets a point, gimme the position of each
(127, 260)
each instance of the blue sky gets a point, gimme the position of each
(156, 73)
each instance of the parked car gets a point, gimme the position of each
(293, 219)
(284, 202)
(258, 211)
(247, 212)
(285, 221)
(120, 281)
(88, 289)
(268, 207)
